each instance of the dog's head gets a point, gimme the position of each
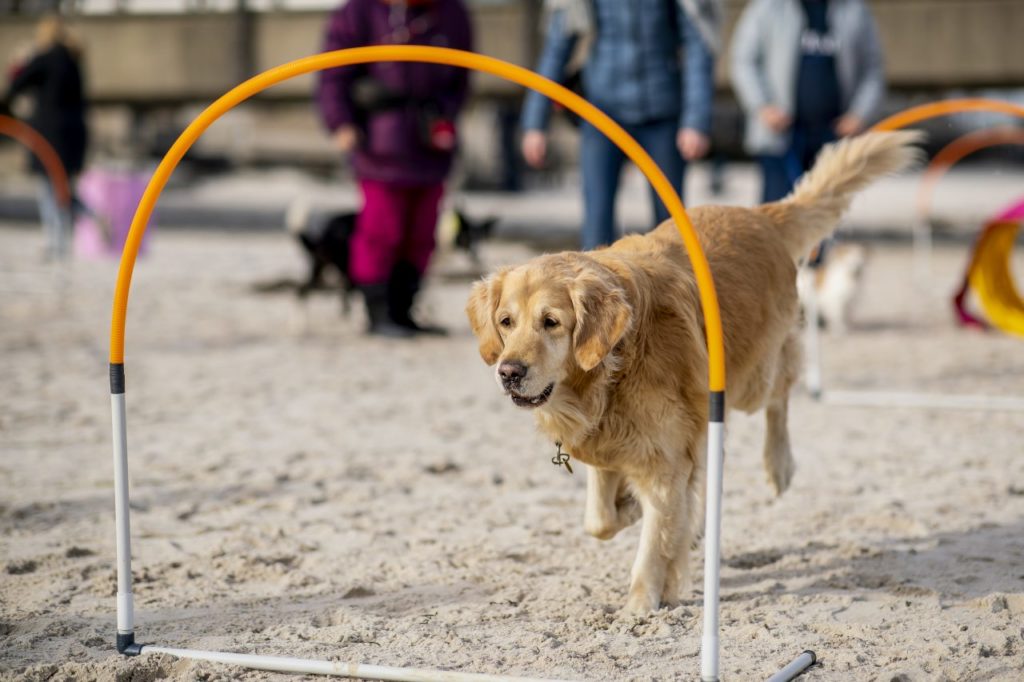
(542, 322)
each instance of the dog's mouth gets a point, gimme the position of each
(535, 401)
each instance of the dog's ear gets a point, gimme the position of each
(483, 301)
(603, 316)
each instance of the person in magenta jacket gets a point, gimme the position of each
(396, 119)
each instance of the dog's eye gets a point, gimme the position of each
(550, 323)
(505, 321)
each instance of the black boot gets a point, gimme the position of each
(402, 289)
(379, 322)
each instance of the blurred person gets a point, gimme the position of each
(51, 76)
(647, 64)
(396, 119)
(805, 72)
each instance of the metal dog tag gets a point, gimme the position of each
(561, 458)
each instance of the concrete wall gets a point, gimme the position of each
(150, 74)
(952, 43)
(928, 43)
(150, 59)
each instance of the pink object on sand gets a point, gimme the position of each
(1014, 213)
(114, 195)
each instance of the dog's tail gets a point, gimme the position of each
(812, 211)
(296, 218)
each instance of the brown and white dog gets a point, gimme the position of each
(608, 349)
(835, 284)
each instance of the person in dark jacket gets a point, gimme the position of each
(648, 65)
(53, 79)
(397, 120)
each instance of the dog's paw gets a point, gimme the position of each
(640, 602)
(627, 512)
(638, 607)
(670, 601)
(677, 582)
(781, 471)
(602, 529)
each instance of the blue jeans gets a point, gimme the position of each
(601, 161)
(56, 222)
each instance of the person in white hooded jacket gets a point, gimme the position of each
(805, 72)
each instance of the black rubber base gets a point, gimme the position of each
(126, 645)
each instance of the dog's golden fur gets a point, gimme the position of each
(609, 348)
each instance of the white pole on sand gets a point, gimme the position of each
(360, 671)
(710, 645)
(812, 343)
(125, 605)
(712, 542)
(922, 247)
(991, 403)
(795, 667)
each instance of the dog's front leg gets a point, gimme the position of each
(690, 526)
(610, 507)
(659, 545)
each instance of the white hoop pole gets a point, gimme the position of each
(812, 343)
(795, 667)
(125, 605)
(712, 539)
(922, 247)
(360, 671)
(924, 400)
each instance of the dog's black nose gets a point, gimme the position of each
(511, 372)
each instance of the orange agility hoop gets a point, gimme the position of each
(967, 144)
(44, 151)
(945, 159)
(958, 149)
(407, 53)
(924, 112)
(434, 55)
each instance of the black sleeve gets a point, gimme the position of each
(29, 76)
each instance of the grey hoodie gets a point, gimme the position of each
(765, 57)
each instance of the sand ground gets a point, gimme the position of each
(298, 489)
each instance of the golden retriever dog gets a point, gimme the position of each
(608, 349)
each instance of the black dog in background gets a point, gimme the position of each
(327, 246)
(326, 240)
